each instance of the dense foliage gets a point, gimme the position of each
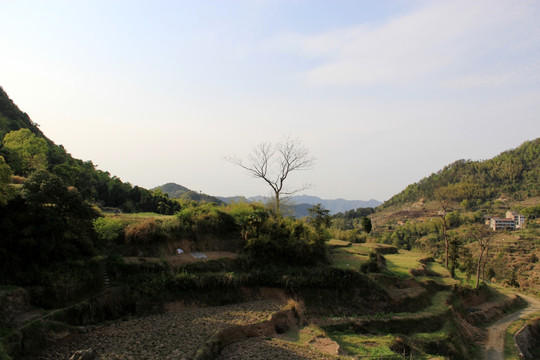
(513, 173)
(48, 237)
(352, 225)
(248, 228)
(352, 218)
(5, 180)
(44, 224)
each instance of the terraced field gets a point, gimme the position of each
(179, 333)
(175, 335)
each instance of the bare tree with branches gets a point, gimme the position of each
(443, 198)
(483, 236)
(274, 163)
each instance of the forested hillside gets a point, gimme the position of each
(26, 149)
(513, 174)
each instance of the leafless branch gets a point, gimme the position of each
(274, 164)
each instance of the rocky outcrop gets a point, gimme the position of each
(528, 340)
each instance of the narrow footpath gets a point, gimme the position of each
(494, 349)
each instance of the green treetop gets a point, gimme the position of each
(27, 152)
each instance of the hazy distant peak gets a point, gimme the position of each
(305, 201)
(176, 191)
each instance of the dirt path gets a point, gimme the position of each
(494, 349)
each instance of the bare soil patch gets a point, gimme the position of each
(271, 348)
(325, 345)
(175, 335)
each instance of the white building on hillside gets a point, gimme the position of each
(502, 224)
(512, 221)
(519, 220)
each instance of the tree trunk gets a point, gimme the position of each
(478, 266)
(278, 213)
(484, 263)
(445, 244)
(478, 274)
(483, 272)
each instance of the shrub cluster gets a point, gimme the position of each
(205, 218)
(286, 241)
(267, 239)
(353, 235)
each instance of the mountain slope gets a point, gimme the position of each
(512, 174)
(93, 184)
(176, 191)
(12, 118)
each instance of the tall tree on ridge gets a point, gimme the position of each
(483, 236)
(274, 163)
(443, 196)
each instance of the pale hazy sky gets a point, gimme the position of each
(382, 93)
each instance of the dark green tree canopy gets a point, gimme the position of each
(319, 218)
(366, 224)
(6, 190)
(46, 223)
(26, 152)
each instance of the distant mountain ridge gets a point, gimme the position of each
(300, 203)
(303, 202)
(176, 191)
(336, 205)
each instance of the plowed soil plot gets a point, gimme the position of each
(261, 348)
(174, 335)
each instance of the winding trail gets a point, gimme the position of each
(494, 349)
